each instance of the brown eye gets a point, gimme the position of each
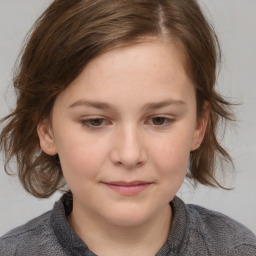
(158, 120)
(96, 122)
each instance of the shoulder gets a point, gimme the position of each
(220, 234)
(28, 238)
(30, 227)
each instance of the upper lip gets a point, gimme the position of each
(129, 183)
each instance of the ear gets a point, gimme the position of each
(46, 138)
(201, 127)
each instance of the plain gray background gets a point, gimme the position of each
(234, 21)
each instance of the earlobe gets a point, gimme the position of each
(46, 138)
(201, 127)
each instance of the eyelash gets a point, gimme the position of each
(88, 122)
(167, 121)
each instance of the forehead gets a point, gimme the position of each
(145, 71)
(158, 56)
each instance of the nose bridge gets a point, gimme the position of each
(129, 150)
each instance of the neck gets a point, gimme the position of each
(105, 239)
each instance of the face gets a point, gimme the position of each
(124, 130)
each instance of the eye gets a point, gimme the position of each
(160, 121)
(94, 122)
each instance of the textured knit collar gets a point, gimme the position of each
(73, 245)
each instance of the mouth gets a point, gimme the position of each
(128, 188)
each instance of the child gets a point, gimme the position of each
(115, 100)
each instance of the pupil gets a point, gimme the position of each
(96, 122)
(158, 120)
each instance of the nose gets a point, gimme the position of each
(128, 148)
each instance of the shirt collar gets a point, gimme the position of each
(72, 243)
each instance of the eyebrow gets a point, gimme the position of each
(109, 106)
(94, 104)
(161, 104)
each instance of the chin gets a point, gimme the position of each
(128, 221)
(128, 217)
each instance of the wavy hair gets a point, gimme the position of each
(67, 36)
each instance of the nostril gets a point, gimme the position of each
(128, 151)
(128, 163)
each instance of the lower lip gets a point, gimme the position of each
(128, 190)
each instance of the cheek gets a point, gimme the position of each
(81, 156)
(172, 155)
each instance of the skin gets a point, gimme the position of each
(129, 116)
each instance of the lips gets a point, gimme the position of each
(128, 188)
(127, 184)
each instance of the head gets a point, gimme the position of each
(69, 36)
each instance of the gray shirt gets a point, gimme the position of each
(195, 231)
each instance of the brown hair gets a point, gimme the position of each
(68, 35)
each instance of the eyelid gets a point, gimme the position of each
(105, 122)
(86, 122)
(168, 120)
